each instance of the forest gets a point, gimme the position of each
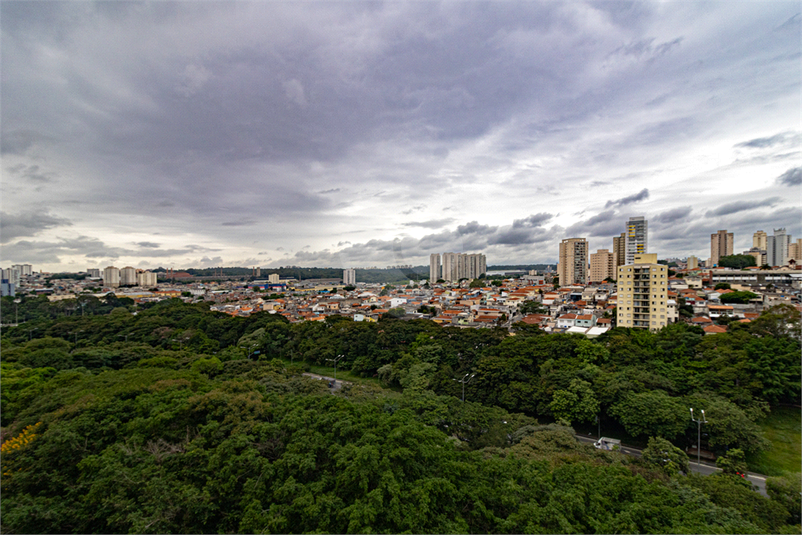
(171, 418)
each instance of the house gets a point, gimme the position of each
(585, 321)
(566, 321)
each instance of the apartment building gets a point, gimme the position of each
(759, 240)
(637, 236)
(643, 294)
(720, 245)
(349, 277)
(777, 248)
(111, 277)
(434, 267)
(458, 266)
(602, 265)
(619, 251)
(573, 267)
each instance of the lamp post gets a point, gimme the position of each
(75, 340)
(699, 422)
(30, 335)
(336, 360)
(121, 335)
(465, 380)
(16, 312)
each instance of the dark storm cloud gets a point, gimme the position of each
(534, 220)
(32, 173)
(148, 244)
(242, 223)
(640, 196)
(13, 226)
(672, 216)
(792, 177)
(328, 191)
(781, 139)
(469, 237)
(432, 223)
(741, 206)
(607, 223)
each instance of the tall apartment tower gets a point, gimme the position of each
(795, 251)
(146, 278)
(642, 294)
(759, 240)
(619, 251)
(25, 270)
(349, 277)
(573, 268)
(128, 276)
(637, 236)
(434, 268)
(692, 263)
(476, 265)
(111, 277)
(720, 245)
(602, 265)
(777, 248)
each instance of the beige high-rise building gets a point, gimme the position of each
(759, 240)
(795, 251)
(602, 265)
(720, 245)
(273, 278)
(619, 251)
(643, 294)
(111, 277)
(128, 276)
(573, 267)
(692, 263)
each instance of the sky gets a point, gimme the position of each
(356, 134)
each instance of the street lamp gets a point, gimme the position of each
(30, 335)
(336, 360)
(16, 312)
(75, 341)
(125, 335)
(699, 422)
(465, 380)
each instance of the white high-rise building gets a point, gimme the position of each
(273, 278)
(25, 270)
(349, 277)
(457, 266)
(12, 275)
(777, 248)
(128, 276)
(146, 278)
(111, 277)
(93, 273)
(434, 268)
(637, 236)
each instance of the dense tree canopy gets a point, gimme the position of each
(168, 420)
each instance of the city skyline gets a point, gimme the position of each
(268, 134)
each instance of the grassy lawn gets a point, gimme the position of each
(783, 428)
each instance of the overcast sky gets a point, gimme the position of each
(350, 134)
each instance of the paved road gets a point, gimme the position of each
(705, 468)
(337, 384)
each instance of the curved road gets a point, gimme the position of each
(704, 468)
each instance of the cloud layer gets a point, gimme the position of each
(361, 133)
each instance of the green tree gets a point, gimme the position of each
(577, 403)
(665, 456)
(737, 261)
(652, 413)
(741, 297)
(733, 462)
(723, 286)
